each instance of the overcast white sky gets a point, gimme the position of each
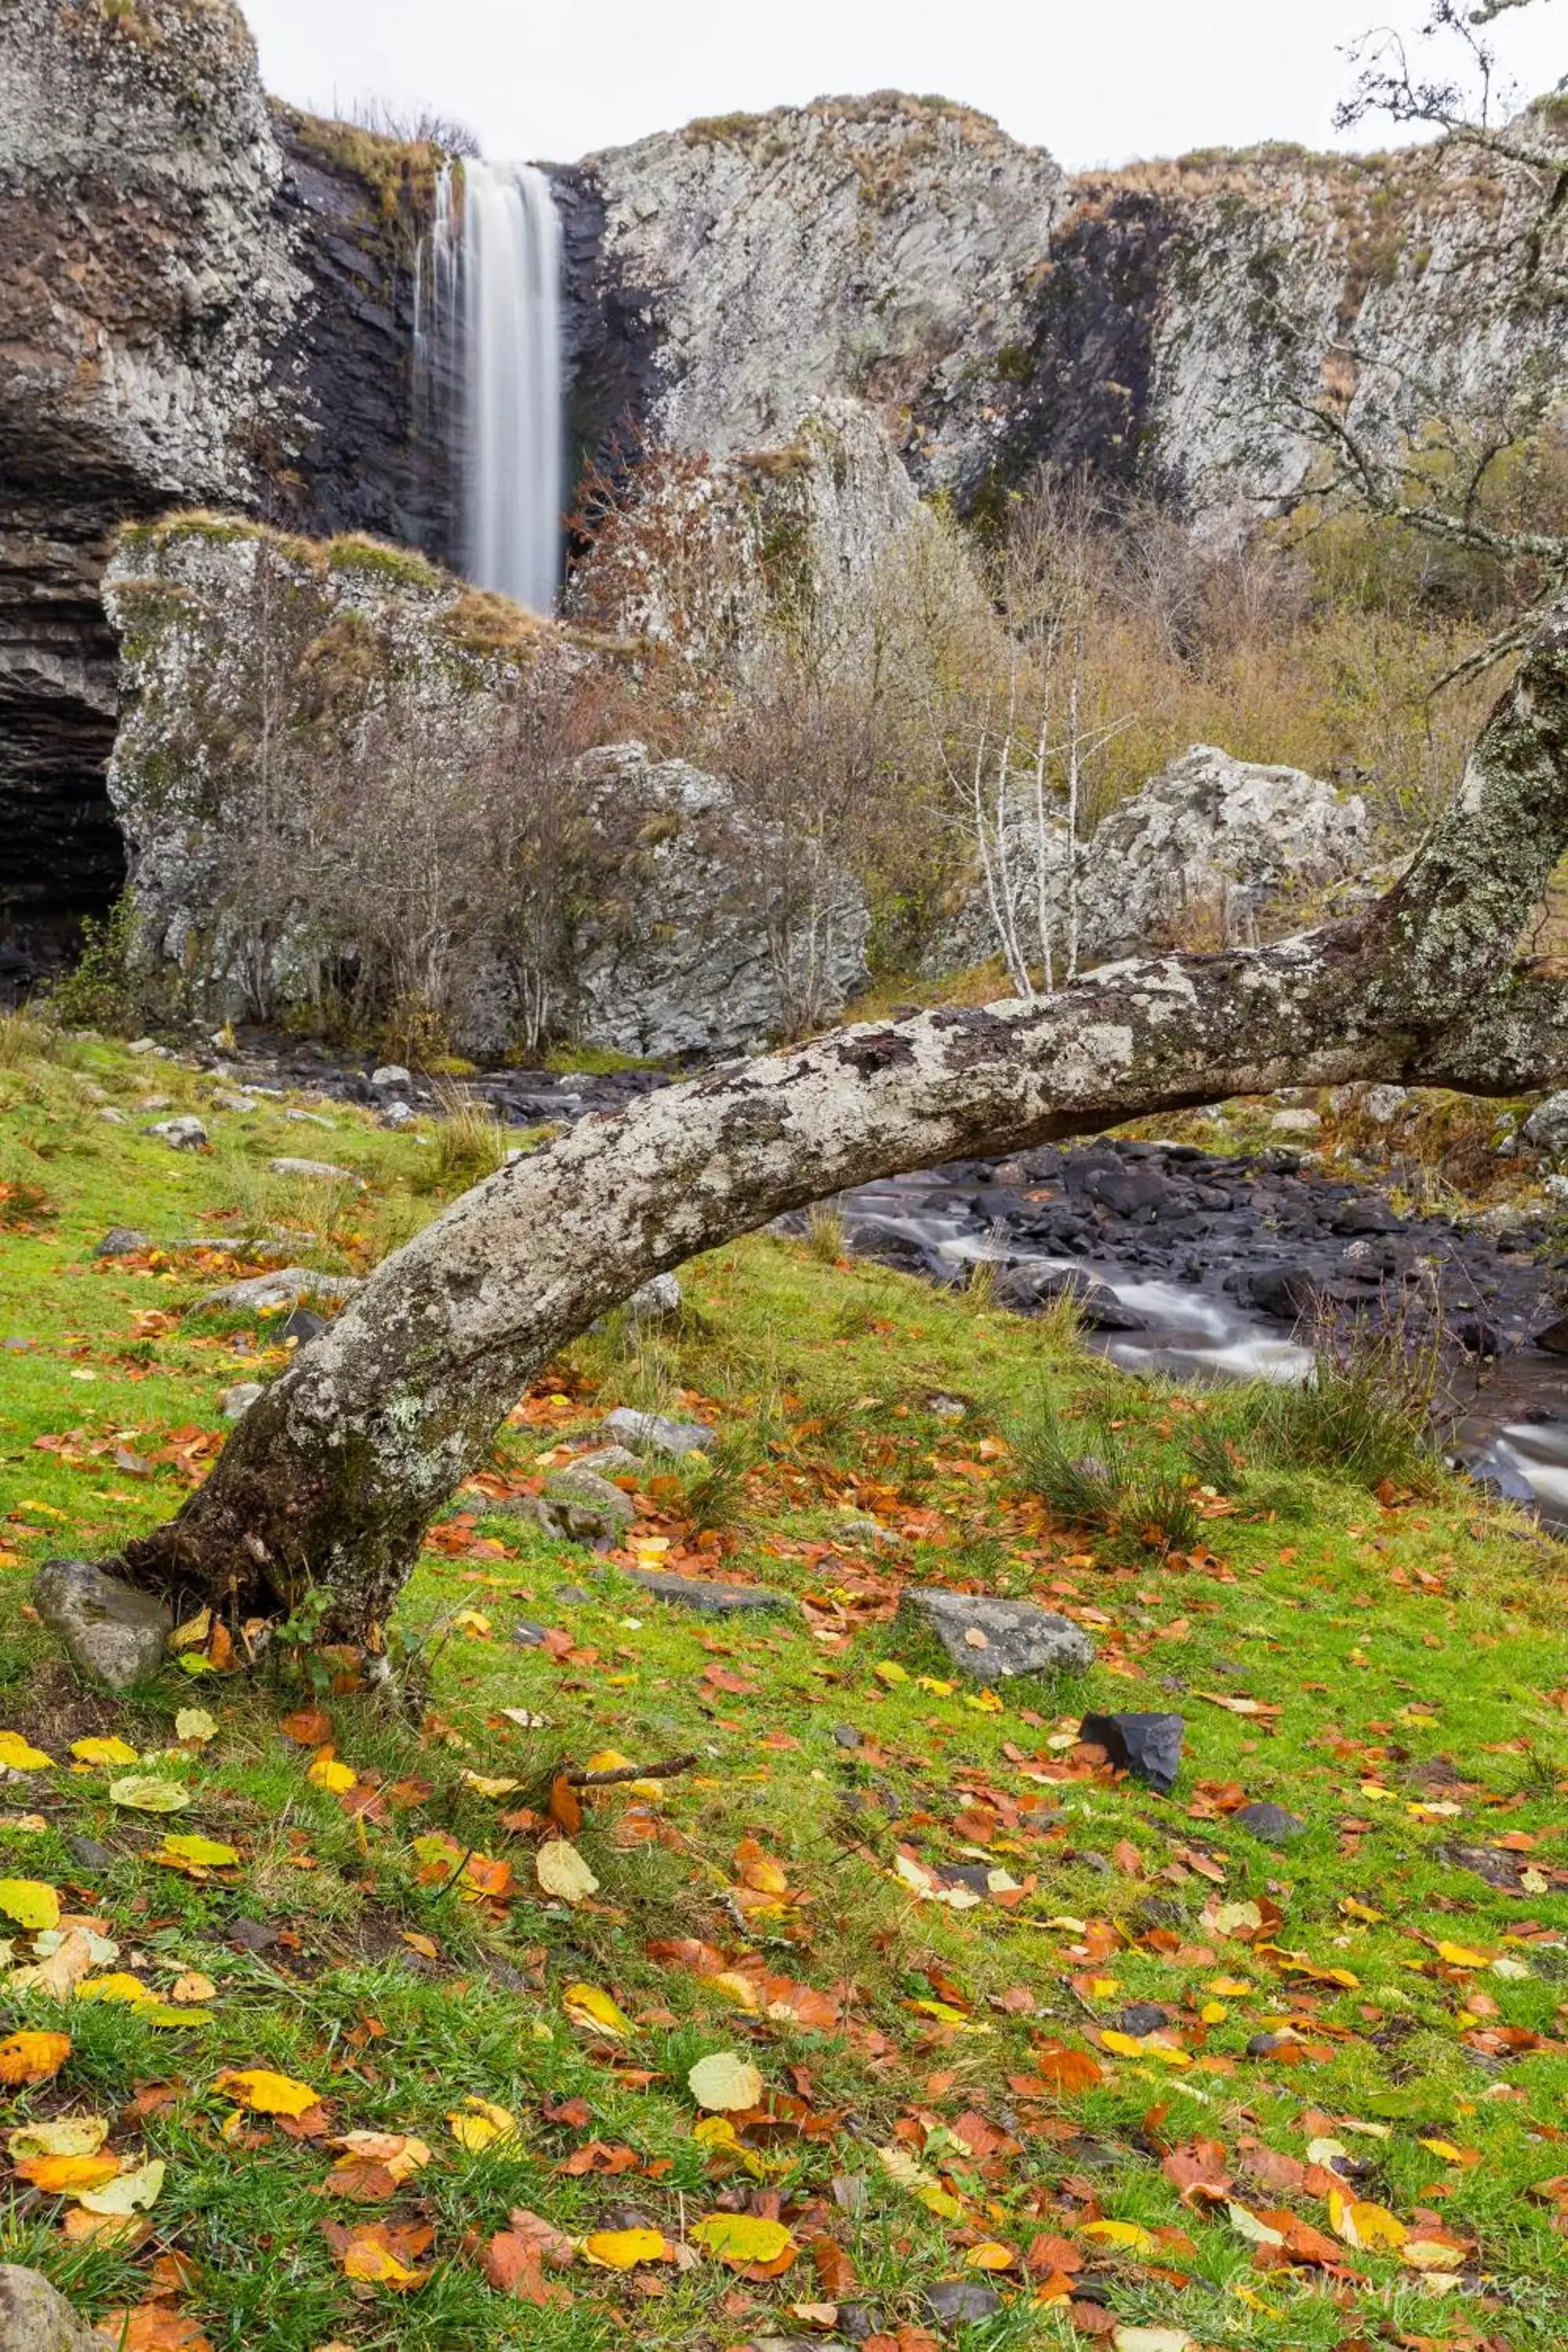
(1094, 80)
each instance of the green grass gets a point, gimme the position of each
(1404, 1657)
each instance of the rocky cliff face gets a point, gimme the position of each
(994, 314)
(199, 306)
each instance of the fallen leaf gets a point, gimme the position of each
(195, 1724)
(585, 2005)
(68, 2173)
(725, 2082)
(267, 2094)
(104, 1751)
(562, 1872)
(480, 2124)
(66, 2136)
(623, 2250)
(19, 1754)
(30, 1903)
(741, 2239)
(32, 2057)
(147, 1793)
(132, 2192)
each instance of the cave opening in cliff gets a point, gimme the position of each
(489, 365)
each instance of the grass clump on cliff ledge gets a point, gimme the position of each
(1033, 2043)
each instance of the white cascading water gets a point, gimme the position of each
(487, 323)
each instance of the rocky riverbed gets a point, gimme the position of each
(1184, 1261)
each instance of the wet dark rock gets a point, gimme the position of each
(989, 1639)
(89, 1854)
(846, 1736)
(708, 1599)
(1149, 1747)
(1286, 1292)
(302, 1327)
(1272, 1823)
(1143, 2017)
(1367, 1214)
(527, 1636)
(1555, 1337)
(253, 1935)
(1497, 1867)
(961, 2302)
(1030, 1289)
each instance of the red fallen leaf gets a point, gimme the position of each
(599, 2156)
(835, 2271)
(575, 2112)
(737, 1686)
(565, 1809)
(555, 2247)
(1064, 2071)
(366, 2182)
(1200, 2164)
(314, 2123)
(1048, 2253)
(1092, 2319)
(1302, 2242)
(152, 2327)
(514, 2266)
(308, 1726)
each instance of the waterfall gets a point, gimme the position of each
(488, 371)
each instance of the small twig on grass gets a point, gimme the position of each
(631, 1772)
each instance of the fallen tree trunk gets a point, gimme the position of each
(335, 1472)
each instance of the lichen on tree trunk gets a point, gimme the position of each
(333, 1474)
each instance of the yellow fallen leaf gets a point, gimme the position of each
(888, 1670)
(940, 2201)
(1130, 2234)
(196, 1853)
(32, 2057)
(368, 2259)
(195, 1723)
(623, 2250)
(990, 2256)
(331, 1772)
(1143, 2045)
(742, 2239)
(735, 1988)
(104, 1751)
(1430, 2254)
(484, 1787)
(120, 1986)
(725, 2081)
(266, 2094)
(398, 2153)
(1152, 2340)
(66, 2136)
(426, 1946)
(19, 1754)
(562, 1872)
(586, 2005)
(1371, 2227)
(480, 2124)
(1459, 1956)
(146, 1793)
(68, 2175)
(63, 1971)
(132, 2192)
(30, 1903)
(192, 1987)
(1247, 2225)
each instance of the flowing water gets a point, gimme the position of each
(488, 366)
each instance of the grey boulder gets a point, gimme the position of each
(991, 1640)
(257, 1294)
(35, 2317)
(577, 1507)
(109, 1629)
(120, 1241)
(707, 1598)
(656, 1301)
(185, 1133)
(650, 1433)
(1547, 1127)
(319, 1170)
(236, 1402)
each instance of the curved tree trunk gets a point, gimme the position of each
(334, 1472)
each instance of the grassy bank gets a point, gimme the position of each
(925, 1914)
